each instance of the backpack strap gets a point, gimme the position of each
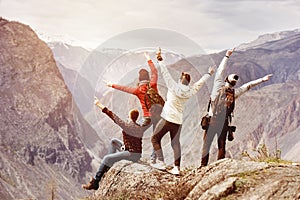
(145, 96)
(209, 103)
(232, 109)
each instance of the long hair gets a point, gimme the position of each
(185, 78)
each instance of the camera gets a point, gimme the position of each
(123, 148)
(231, 130)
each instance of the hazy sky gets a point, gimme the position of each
(213, 24)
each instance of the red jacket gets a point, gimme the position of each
(142, 88)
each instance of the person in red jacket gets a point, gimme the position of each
(128, 149)
(145, 81)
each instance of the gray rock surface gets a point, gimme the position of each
(224, 179)
(43, 136)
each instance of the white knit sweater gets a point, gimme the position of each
(177, 95)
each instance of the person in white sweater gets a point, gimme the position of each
(221, 106)
(172, 113)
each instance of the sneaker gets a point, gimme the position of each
(152, 160)
(153, 157)
(175, 170)
(92, 185)
(159, 165)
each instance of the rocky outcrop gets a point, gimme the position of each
(43, 136)
(224, 179)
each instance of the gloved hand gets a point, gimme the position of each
(108, 83)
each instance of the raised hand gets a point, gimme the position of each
(267, 77)
(96, 100)
(97, 103)
(147, 56)
(229, 52)
(211, 70)
(108, 83)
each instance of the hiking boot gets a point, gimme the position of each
(92, 185)
(159, 165)
(175, 170)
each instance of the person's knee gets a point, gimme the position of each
(114, 141)
(107, 159)
(175, 144)
(154, 139)
(175, 141)
(146, 121)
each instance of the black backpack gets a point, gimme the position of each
(153, 98)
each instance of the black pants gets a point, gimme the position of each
(162, 128)
(219, 127)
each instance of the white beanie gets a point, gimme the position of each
(232, 79)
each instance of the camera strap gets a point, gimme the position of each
(208, 105)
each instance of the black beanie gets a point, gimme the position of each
(144, 75)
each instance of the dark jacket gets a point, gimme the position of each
(132, 132)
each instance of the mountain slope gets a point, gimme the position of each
(44, 138)
(73, 56)
(79, 87)
(266, 38)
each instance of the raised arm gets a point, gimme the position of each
(247, 86)
(125, 126)
(153, 69)
(218, 81)
(110, 114)
(126, 89)
(196, 87)
(166, 75)
(164, 71)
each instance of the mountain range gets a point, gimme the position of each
(276, 53)
(52, 135)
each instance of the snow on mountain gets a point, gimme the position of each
(64, 40)
(267, 38)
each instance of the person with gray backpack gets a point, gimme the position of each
(220, 109)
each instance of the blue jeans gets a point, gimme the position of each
(147, 121)
(114, 155)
